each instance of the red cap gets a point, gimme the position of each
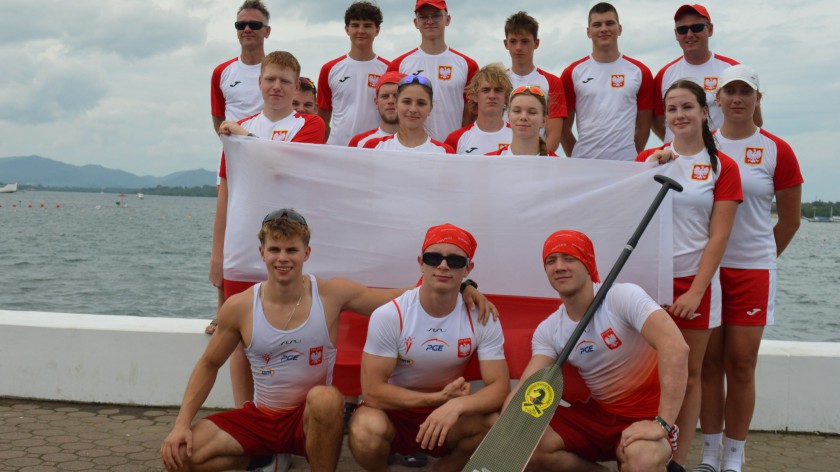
(390, 77)
(439, 4)
(451, 234)
(575, 244)
(696, 8)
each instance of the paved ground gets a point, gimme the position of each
(38, 436)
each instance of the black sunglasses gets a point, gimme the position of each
(285, 213)
(454, 261)
(254, 25)
(695, 28)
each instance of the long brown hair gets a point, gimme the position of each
(700, 95)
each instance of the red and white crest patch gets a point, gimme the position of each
(464, 347)
(611, 339)
(279, 134)
(710, 84)
(373, 80)
(701, 172)
(444, 72)
(316, 355)
(617, 80)
(753, 156)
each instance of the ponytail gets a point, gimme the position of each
(711, 145)
(543, 148)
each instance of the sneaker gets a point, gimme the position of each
(275, 463)
(705, 468)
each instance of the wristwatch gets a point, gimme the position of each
(468, 283)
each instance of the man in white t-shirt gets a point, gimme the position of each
(610, 95)
(693, 28)
(418, 345)
(448, 70)
(488, 90)
(521, 41)
(632, 358)
(386, 104)
(347, 84)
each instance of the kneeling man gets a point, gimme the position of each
(415, 397)
(632, 357)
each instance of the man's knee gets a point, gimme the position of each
(368, 429)
(325, 403)
(644, 456)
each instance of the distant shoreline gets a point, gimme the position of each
(198, 191)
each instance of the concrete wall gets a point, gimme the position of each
(147, 361)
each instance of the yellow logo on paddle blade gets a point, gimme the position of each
(538, 397)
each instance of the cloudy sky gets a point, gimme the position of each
(125, 84)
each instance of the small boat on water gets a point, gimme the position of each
(9, 188)
(140, 196)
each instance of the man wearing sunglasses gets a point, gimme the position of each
(693, 28)
(610, 95)
(290, 324)
(449, 70)
(418, 345)
(348, 82)
(305, 100)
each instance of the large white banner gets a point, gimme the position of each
(369, 210)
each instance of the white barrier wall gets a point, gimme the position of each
(147, 361)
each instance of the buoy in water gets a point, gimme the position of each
(57, 205)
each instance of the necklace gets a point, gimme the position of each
(294, 309)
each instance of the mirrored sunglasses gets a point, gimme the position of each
(285, 213)
(532, 89)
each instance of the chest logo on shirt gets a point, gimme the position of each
(316, 355)
(538, 396)
(444, 72)
(265, 371)
(290, 355)
(617, 80)
(279, 134)
(504, 146)
(710, 83)
(408, 341)
(753, 156)
(435, 344)
(701, 172)
(585, 347)
(464, 347)
(373, 80)
(611, 339)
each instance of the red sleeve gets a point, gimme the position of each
(642, 157)
(324, 91)
(556, 96)
(569, 86)
(658, 105)
(396, 63)
(552, 154)
(355, 141)
(472, 69)
(372, 143)
(223, 167)
(217, 98)
(497, 152)
(787, 173)
(314, 130)
(644, 99)
(728, 184)
(455, 136)
(445, 146)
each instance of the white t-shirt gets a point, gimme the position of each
(472, 140)
(706, 75)
(548, 83)
(235, 90)
(606, 97)
(360, 139)
(430, 351)
(392, 143)
(449, 73)
(767, 164)
(347, 87)
(613, 358)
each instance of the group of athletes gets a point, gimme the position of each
(652, 371)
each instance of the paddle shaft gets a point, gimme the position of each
(667, 184)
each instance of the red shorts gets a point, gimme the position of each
(709, 308)
(262, 433)
(232, 287)
(407, 425)
(589, 431)
(748, 296)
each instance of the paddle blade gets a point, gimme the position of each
(510, 443)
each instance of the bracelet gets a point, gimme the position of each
(668, 428)
(468, 283)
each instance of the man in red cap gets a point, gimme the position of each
(632, 357)
(449, 70)
(418, 345)
(347, 83)
(693, 28)
(386, 104)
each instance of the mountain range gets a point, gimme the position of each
(37, 170)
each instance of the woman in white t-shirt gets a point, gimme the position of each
(527, 115)
(768, 169)
(703, 216)
(414, 104)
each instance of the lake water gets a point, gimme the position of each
(150, 258)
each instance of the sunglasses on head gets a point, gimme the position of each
(695, 28)
(415, 79)
(254, 25)
(285, 213)
(306, 84)
(532, 89)
(454, 261)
